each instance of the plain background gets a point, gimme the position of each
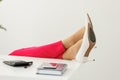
(37, 22)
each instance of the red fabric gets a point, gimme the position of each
(54, 50)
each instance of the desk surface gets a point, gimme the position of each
(20, 73)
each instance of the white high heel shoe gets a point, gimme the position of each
(88, 42)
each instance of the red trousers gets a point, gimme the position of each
(53, 50)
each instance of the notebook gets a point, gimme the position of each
(52, 68)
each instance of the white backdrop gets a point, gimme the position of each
(37, 22)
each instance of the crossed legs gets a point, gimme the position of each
(72, 44)
(80, 43)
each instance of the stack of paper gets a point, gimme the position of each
(52, 68)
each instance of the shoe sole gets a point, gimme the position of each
(91, 37)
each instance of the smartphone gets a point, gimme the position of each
(18, 63)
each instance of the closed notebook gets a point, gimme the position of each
(52, 68)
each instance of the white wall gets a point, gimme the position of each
(37, 22)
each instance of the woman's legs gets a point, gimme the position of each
(55, 50)
(71, 52)
(72, 44)
(71, 40)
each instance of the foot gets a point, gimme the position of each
(88, 43)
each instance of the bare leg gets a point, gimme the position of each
(68, 42)
(73, 44)
(71, 52)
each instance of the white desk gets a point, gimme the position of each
(20, 73)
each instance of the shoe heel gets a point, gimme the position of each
(84, 60)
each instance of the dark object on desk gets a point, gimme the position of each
(18, 63)
(1, 27)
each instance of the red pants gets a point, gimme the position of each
(54, 50)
